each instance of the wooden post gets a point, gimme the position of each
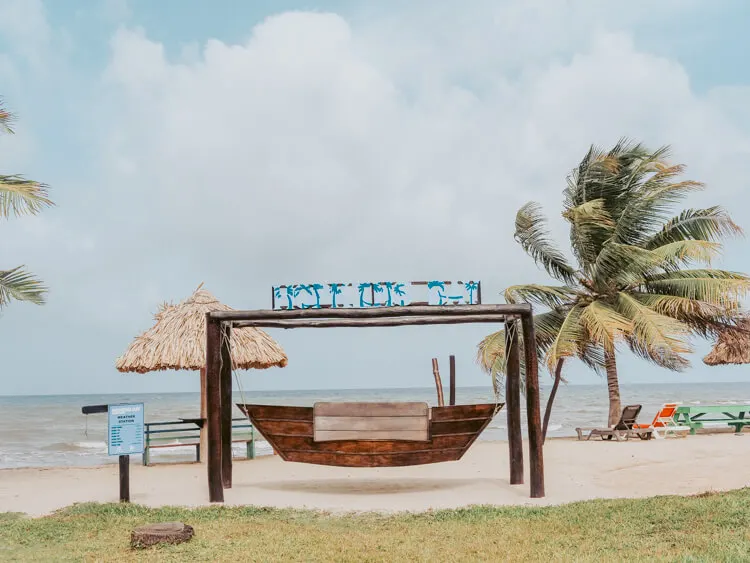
(513, 402)
(452, 395)
(536, 441)
(226, 406)
(438, 382)
(203, 448)
(124, 478)
(213, 410)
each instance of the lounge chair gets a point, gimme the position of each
(664, 424)
(622, 430)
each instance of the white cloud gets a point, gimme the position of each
(324, 149)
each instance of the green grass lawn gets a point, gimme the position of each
(712, 527)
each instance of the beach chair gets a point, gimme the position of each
(622, 430)
(664, 424)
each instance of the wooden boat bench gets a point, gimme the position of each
(370, 434)
(371, 421)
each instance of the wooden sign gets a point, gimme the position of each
(375, 294)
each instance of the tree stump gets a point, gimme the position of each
(163, 532)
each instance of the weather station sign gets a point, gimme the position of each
(125, 429)
(375, 294)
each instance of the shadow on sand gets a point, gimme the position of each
(372, 486)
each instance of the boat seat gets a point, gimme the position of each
(371, 421)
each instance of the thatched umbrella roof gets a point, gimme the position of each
(178, 340)
(732, 347)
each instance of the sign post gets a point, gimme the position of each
(125, 433)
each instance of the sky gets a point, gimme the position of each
(251, 144)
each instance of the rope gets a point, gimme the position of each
(495, 387)
(227, 341)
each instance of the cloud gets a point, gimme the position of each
(334, 148)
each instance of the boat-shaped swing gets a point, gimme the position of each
(371, 434)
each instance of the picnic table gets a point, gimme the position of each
(694, 416)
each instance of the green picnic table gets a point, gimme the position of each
(694, 416)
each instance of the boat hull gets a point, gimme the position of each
(289, 430)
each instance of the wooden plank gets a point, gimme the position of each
(376, 460)
(271, 412)
(370, 409)
(371, 423)
(460, 412)
(302, 443)
(374, 312)
(374, 322)
(458, 426)
(407, 435)
(284, 427)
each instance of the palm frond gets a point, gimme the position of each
(711, 224)
(659, 334)
(549, 296)
(623, 264)
(648, 210)
(532, 235)
(20, 285)
(566, 343)
(688, 251)
(604, 324)
(22, 197)
(705, 319)
(6, 119)
(716, 287)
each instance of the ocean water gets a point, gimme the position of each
(50, 430)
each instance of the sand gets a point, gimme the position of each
(574, 471)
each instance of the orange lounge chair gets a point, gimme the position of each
(664, 424)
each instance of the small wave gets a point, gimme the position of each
(554, 427)
(91, 445)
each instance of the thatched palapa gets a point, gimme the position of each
(178, 340)
(732, 347)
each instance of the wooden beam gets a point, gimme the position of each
(226, 405)
(452, 395)
(513, 402)
(366, 322)
(438, 382)
(213, 409)
(373, 312)
(536, 441)
(203, 448)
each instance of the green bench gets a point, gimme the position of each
(186, 433)
(696, 416)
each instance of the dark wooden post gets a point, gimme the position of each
(213, 410)
(513, 402)
(536, 441)
(226, 406)
(452, 395)
(124, 478)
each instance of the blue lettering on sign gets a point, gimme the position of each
(375, 294)
(125, 429)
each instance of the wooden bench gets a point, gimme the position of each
(186, 433)
(371, 421)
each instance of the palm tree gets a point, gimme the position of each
(641, 280)
(19, 196)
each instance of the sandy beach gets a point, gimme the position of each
(574, 471)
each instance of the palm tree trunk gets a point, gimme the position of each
(613, 386)
(548, 409)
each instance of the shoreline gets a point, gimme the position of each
(575, 471)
